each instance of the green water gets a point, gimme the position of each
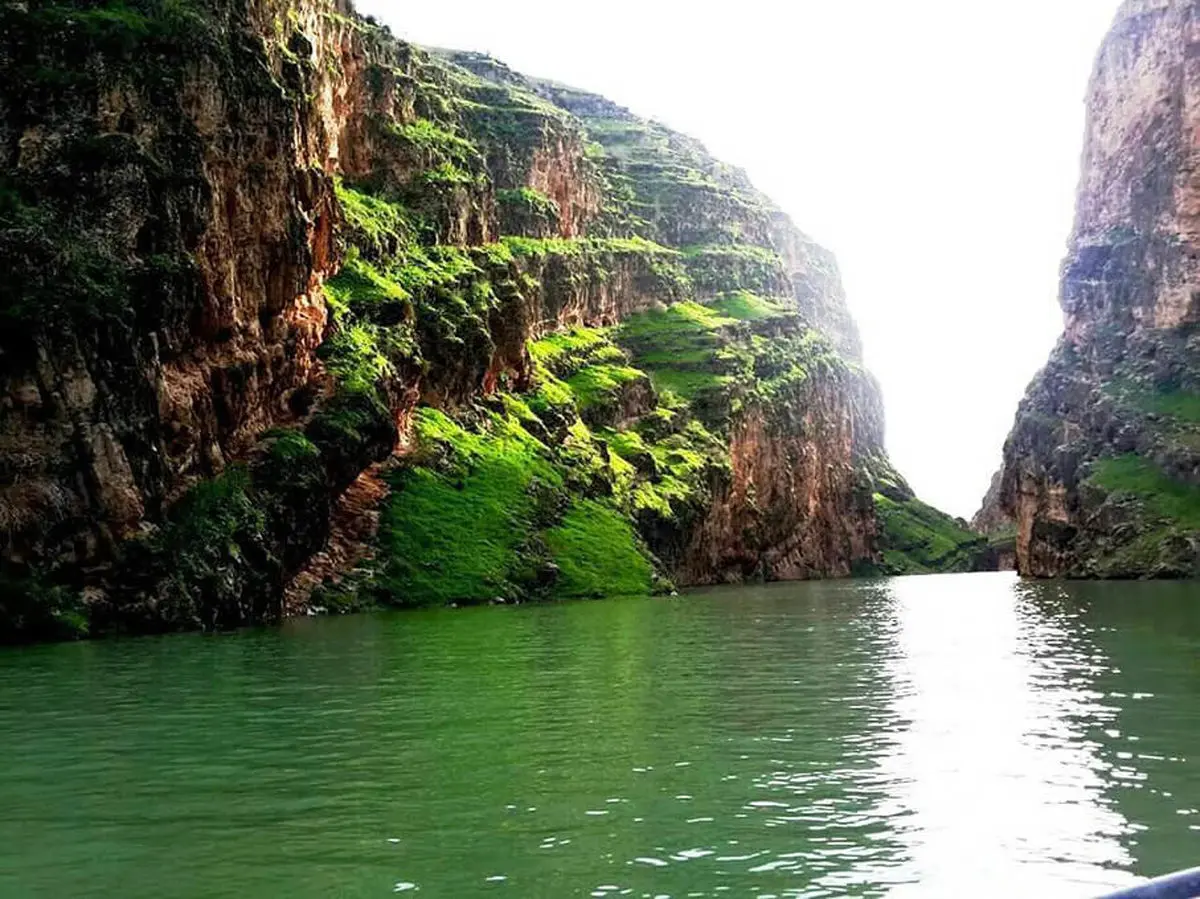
(945, 736)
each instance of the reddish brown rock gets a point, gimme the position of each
(1113, 397)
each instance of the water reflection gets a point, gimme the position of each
(1151, 635)
(1005, 792)
(813, 723)
(922, 737)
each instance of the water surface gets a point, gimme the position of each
(942, 736)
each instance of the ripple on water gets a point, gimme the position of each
(908, 738)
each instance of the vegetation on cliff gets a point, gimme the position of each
(568, 335)
(31, 609)
(1159, 516)
(918, 539)
(914, 537)
(493, 514)
(631, 422)
(1127, 462)
(1102, 468)
(521, 499)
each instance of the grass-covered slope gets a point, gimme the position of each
(521, 499)
(489, 515)
(916, 538)
(1160, 515)
(1150, 498)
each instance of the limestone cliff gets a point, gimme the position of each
(991, 517)
(1102, 470)
(298, 315)
(997, 525)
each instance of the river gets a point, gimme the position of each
(918, 737)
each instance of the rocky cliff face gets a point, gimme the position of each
(1102, 470)
(298, 315)
(998, 526)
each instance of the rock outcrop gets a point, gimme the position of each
(298, 315)
(998, 526)
(1102, 469)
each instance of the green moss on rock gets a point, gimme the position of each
(1149, 520)
(728, 267)
(738, 348)
(211, 565)
(1163, 496)
(1175, 403)
(566, 353)
(745, 306)
(376, 227)
(916, 538)
(596, 551)
(524, 500)
(597, 383)
(526, 212)
(678, 347)
(666, 186)
(453, 530)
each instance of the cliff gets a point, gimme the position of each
(1102, 469)
(998, 526)
(299, 316)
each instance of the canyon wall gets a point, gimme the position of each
(299, 316)
(1102, 470)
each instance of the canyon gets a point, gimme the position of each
(301, 317)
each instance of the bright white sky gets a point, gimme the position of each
(932, 144)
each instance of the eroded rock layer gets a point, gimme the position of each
(1102, 470)
(298, 315)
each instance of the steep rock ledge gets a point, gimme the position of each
(288, 297)
(995, 523)
(1102, 469)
